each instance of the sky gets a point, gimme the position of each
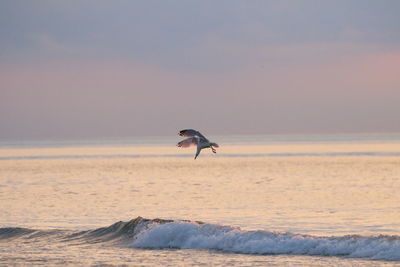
(110, 69)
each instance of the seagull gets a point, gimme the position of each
(196, 138)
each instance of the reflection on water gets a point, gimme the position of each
(311, 192)
(319, 194)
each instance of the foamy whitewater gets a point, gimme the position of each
(296, 202)
(166, 234)
(187, 235)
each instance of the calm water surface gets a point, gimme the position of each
(275, 201)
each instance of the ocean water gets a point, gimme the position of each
(313, 200)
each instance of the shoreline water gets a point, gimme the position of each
(177, 234)
(331, 196)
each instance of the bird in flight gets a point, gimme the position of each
(197, 139)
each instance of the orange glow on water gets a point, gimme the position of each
(319, 195)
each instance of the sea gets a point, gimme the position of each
(266, 200)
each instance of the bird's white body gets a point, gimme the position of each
(197, 139)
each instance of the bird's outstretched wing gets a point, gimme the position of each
(197, 152)
(188, 142)
(191, 133)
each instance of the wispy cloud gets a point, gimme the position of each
(134, 67)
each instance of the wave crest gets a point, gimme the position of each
(166, 234)
(187, 235)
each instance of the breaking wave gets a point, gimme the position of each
(167, 234)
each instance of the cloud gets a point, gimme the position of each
(172, 32)
(49, 45)
(72, 69)
(354, 92)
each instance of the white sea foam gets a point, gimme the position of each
(187, 235)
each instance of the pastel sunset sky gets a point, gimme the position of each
(87, 69)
